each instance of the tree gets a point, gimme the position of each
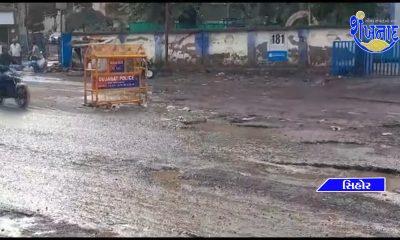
(133, 12)
(254, 14)
(187, 14)
(277, 13)
(37, 13)
(338, 14)
(88, 19)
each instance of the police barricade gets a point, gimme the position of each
(115, 74)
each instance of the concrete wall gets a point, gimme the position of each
(182, 49)
(304, 46)
(228, 48)
(320, 44)
(264, 43)
(147, 40)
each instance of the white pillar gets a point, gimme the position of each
(20, 18)
(58, 22)
(396, 13)
(101, 7)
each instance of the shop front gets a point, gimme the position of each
(8, 29)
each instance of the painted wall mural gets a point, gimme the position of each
(306, 46)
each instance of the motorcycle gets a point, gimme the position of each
(11, 86)
(150, 70)
(39, 64)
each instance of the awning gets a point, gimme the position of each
(6, 18)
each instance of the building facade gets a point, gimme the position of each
(8, 24)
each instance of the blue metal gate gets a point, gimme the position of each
(343, 58)
(66, 50)
(349, 59)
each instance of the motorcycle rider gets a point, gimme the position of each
(11, 87)
(5, 57)
(37, 59)
(6, 83)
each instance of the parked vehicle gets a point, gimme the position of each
(55, 37)
(11, 86)
(150, 70)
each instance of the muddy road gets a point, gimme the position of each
(209, 156)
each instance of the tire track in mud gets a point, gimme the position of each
(302, 196)
(349, 143)
(370, 100)
(340, 167)
(288, 194)
(162, 210)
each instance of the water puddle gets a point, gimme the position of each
(14, 226)
(52, 80)
(231, 129)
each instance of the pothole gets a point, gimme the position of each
(391, 125)
(169, 179)
(258, 125)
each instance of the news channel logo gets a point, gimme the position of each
(373, 184)
(372, 38)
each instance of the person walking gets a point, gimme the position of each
(15, 52)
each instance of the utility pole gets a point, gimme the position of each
(166, 32)
(61, 23)
(26, 28)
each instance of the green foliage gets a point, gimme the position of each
(88, 19)
(186, 13)
(277, 14)
(253, 14)
(338, 13)
(134, 12)
(327, 14)
(37, 13)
